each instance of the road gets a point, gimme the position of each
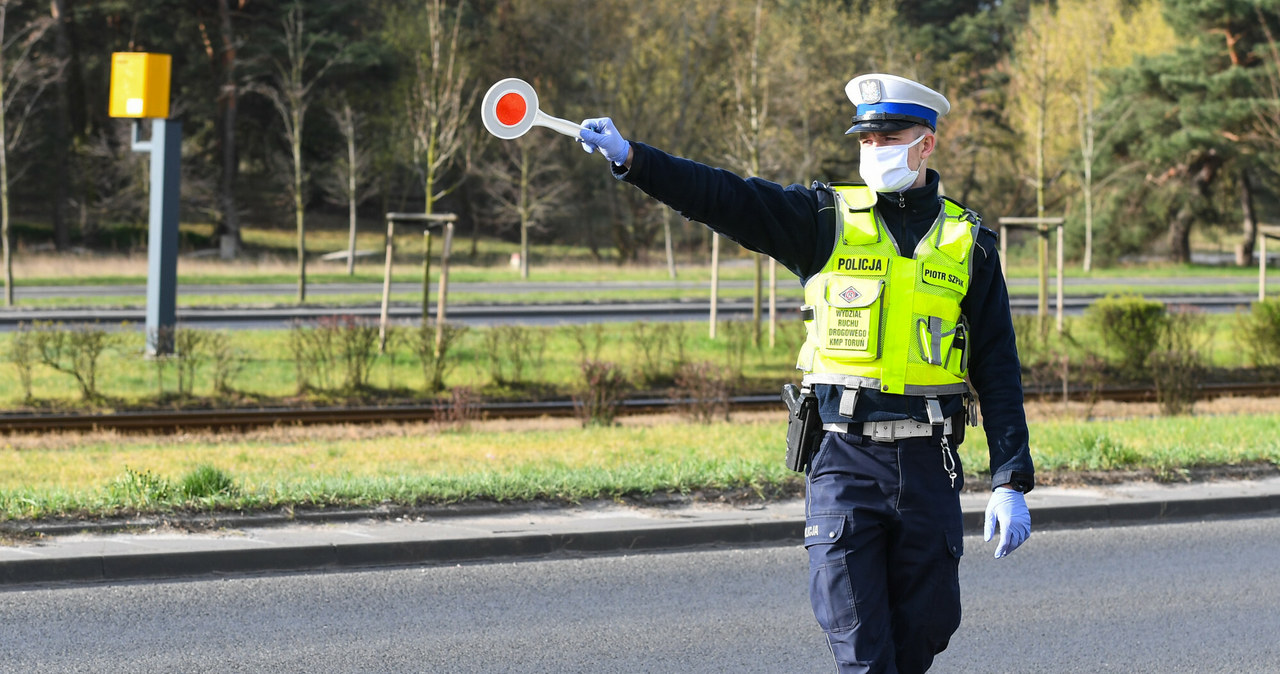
(1190, 597)
(595, 307)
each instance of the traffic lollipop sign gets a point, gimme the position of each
(510, 109)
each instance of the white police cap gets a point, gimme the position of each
(892, 103)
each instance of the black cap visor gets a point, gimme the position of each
(882, 123)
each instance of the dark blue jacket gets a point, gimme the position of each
(796, 226)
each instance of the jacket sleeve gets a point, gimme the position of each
(995, 371)
(785, 223)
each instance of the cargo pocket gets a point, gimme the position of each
(849, 326)
(830, 589)
(945, 615)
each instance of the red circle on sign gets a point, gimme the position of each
(511, 109)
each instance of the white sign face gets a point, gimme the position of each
(509, 108)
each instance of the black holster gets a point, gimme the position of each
(804, 426)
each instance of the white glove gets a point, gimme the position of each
(1007, 510)
(601, 134)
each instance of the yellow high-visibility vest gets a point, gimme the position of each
(876, 318)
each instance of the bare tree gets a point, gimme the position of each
(526, 183)
(223, 61)
(24, 75)
(759, 140)
(290, 91)
(228, 99)
(348, 182)
(61, 131)
(438, 104)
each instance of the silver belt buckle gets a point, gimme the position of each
(883, 431)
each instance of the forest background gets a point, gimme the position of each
(1144, 122)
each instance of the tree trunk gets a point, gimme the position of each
(61, 130)
(227, 100)
(4, 179)
(525, 208)
(524, 247)
(715, 283)
(1180, 235)
(1202, 173)
(757, 300)
(352, 194)
(1249, 235)
(298, 207)
(671, 253)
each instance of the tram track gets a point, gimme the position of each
(169, 421)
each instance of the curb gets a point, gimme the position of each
(301, 558)
(143, 566)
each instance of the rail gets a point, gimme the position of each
(153, 421)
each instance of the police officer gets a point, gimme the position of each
(905, 307)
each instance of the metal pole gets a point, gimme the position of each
(165, 147)
(1042, 294)
(1004, 252)
(773, 302)
(1059, 278)
(426, 274)
(715, 280)
(443, 292)
(1262, 266)
(757, 299)
(386, 286)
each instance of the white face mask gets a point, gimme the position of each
(884, 167)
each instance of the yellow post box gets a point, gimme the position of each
(139, 85)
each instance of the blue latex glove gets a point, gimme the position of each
(1007, 509)
(600, 133)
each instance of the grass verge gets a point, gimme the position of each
(106, 475)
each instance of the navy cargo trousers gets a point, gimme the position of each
(884, 534)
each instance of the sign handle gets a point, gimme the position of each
(556, 124)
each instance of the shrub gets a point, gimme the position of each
(357, 343)
(395, 337)
(311, 347)
(738, 335)
(227, 362)
(190, 352)
(1130, 327)
(590, 339)
(75, 352)
(511, 350)
(1033, 347)
(1260, 330)
(661, 348)
(460, 410)
(651, 344)
(436, 362)
(320, 347)
(702, 389)
(23, 354)
(1178, 365)
(604, 386)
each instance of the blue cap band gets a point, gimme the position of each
(885, 107)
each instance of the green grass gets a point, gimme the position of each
(420, 465)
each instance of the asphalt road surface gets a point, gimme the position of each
(1191, 597)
